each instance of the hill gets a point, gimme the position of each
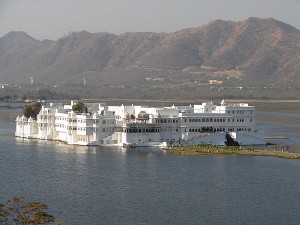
(251, 51)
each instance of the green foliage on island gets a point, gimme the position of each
(17, 211)
(32, 110)
(80, 107)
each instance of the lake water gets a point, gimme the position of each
(94, 185)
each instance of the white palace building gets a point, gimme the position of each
(131, 125)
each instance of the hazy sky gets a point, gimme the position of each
(52, 19)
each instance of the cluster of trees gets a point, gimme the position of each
(43, 94)
(32, 110)
(19, 212)
(80, 107)
(8, 98)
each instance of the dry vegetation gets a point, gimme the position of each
(231, 151)
(256, 50)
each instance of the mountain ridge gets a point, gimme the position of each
(254, 50)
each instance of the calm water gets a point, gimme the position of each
(280, 124)
(93, 185)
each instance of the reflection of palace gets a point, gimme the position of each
(144, 126)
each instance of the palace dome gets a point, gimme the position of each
(143, 116)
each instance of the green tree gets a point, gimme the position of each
(32, 110)
(79, 107)
(19, 212)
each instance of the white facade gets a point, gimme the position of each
(142, 126)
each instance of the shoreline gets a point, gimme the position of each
(230, 151)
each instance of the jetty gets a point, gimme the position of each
(276, 137)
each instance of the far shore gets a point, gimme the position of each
(282, 105)
(231, 151)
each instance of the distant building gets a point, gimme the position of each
(2, 86)
(215, 81)
(159, 79)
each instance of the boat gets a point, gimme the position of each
(143, 126)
